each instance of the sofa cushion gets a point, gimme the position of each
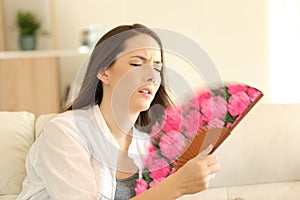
(16, 137)
(8, 197)
(274, 191)
(209, 194)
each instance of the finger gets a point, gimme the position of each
(210, 159)
(207, 185)
(213, 168)
(211, 176)
(206, 151)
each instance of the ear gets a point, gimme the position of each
(103, 76)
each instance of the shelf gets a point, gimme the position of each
(24, 85)
(45, 53)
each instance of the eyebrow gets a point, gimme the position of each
(141, 57)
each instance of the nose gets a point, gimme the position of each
(152, 76)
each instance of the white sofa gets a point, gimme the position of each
(259, 161)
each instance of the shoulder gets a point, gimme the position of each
(71, 119)
(67, 126)
(66, 133)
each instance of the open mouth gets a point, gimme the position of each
(146, 91)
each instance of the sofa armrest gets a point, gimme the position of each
(16, 137)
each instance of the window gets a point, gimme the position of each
(284, 19)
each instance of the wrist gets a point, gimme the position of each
(174, 186)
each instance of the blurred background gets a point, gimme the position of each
(256, 42)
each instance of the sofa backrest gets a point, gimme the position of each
(16, 137)
(263, 148)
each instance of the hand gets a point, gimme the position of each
(193, 177)
(196, 174)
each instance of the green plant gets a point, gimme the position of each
(27, 23)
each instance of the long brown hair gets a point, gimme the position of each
(104, 56)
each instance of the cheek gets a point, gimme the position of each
(129, 81)
(125, 84)
(157, 79)
(156, 88)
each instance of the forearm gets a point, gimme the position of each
(166, 189)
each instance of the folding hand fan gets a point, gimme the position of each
(239, 100)
(183, 132)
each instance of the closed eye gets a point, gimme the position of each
(135, 64)
(157, 66)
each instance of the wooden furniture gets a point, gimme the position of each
(1, 28)
(29, 84)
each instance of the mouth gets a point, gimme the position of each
(146, 91)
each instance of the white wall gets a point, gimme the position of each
(71, 17)
(233, 32)
(284, 50)
(38, 7)
(235, 35)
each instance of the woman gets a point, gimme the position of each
(94, 150)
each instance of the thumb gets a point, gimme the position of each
(205, 152)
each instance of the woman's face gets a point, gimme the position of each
(134, 78)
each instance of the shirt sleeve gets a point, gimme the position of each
(63, 164)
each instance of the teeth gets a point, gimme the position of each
(145, 91)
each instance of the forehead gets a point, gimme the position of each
(142, 44)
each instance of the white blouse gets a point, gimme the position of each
(75, 158)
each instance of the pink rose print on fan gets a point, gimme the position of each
(214, 107)
(235, 88)
(238, 102)
(141, 186)
(221, 106)
(172, 119)
(253, 93)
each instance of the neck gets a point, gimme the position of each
(118, 118)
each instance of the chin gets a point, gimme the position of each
(144, 107)
(141, 106)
